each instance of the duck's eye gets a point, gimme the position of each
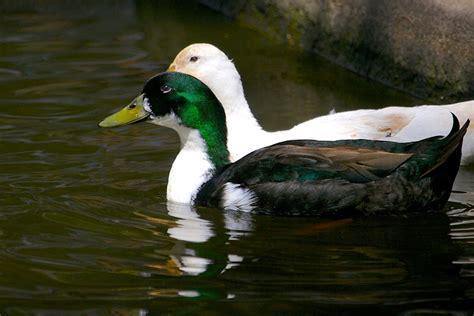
(193, 59)
(165, 89)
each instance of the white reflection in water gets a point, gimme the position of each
(189, 226)
(238, 224)
(188, 293)
(232, 261)
(192, 228)
(462, 232)
(192, 265)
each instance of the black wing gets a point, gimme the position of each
(296, 164)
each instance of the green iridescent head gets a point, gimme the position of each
(184, 100)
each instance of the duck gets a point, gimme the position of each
(400, 124)
(295, 177)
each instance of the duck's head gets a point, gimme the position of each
(210, 65)
(183, 103)
(201, 61)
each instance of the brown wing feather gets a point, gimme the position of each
(372, 158)
(370, 163)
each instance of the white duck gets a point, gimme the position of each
(402, 124)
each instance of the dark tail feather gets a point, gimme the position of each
(451, 143)
(455, 127)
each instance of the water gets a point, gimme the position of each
(84, 223)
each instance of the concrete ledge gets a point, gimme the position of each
(422, 47)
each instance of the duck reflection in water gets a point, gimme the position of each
(193, 229)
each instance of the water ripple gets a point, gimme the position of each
(85, 224)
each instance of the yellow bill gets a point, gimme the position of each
(131, 113)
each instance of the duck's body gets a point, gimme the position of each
(324, 178)
(349, 177)
(400, 124)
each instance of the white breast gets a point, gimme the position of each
(189, 171)
(191, 168)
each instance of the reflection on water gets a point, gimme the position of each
(462, 233)
(189, 226)
(85, 227)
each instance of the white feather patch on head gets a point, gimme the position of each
(146, 105)
(170, 120)
(236, 198)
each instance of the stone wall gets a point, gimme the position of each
(423, 47)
